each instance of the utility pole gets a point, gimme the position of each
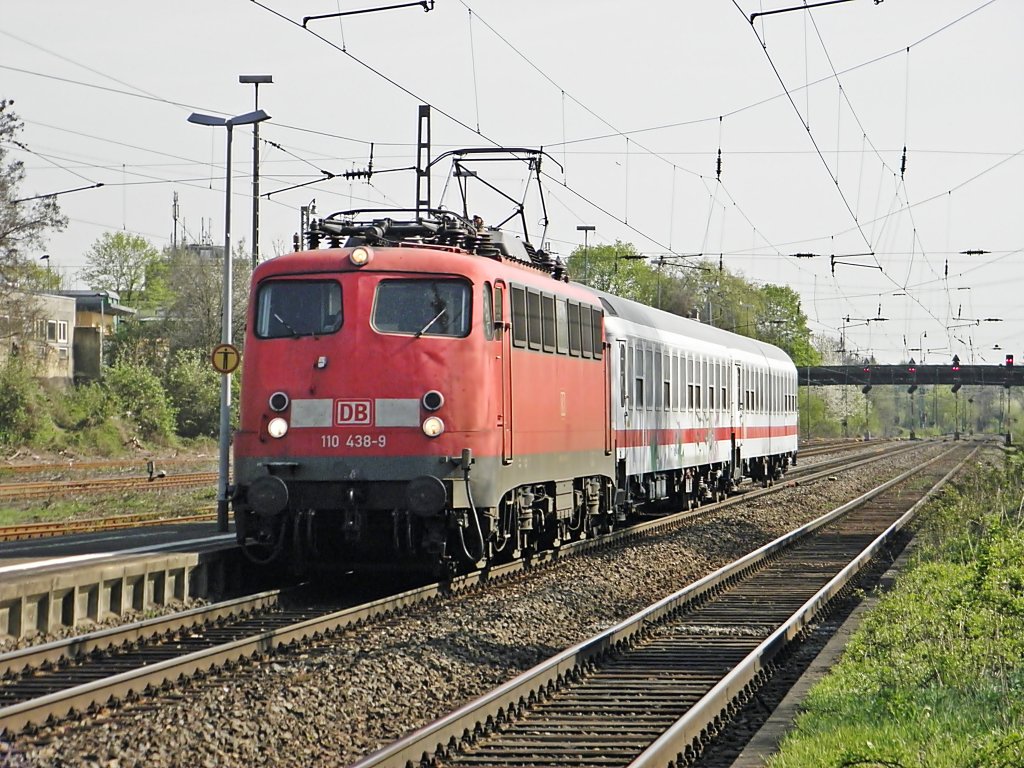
(256, 81)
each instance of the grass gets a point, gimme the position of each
(935, 675)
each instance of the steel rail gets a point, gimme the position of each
(445, 735)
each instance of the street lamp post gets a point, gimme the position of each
(256, 81)
(225, 383)
(586, 229)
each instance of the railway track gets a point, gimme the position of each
(136, 520)
(656, 689)
(25, 491)
(110, 465)
(61, 528)
(52, 680)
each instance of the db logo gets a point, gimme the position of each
(352, 411)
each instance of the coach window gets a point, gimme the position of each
(638, 380)
(561, 326)
(290, 308)
(547, 312)
(666, 381)
(518, 316)
(597, 316)
(659, 397)
(488, 308)
(670, 380)
(574, 329)
(623, 374)
(689, 383)
(696, 383)
(649, 378)
(586, 330)
(674, 382)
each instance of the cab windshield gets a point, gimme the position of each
(298, 308)
(422, 307)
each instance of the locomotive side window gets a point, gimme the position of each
(499, 310)
(586, 331)
(288, 308)
(488, 312)
(423, 307)
(533, 321)
(561, 326)
(518, 316)
(598, 316)
(574, 329)
(547, 312)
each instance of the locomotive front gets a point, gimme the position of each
(366, 399)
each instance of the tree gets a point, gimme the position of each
(24, 223)
(619, 269)
(118, 262)
(782, 322)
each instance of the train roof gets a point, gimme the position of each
(641, 314)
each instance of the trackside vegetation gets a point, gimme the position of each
(934, 677)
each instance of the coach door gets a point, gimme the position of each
(504, 329)
(736, 420)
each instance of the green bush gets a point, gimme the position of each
(193, 387)
(142, 399)
(84, 407)
(23, 412)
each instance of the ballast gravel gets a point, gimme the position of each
(330, 703)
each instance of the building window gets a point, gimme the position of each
(62, 332)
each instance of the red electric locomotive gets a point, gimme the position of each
(429, 393)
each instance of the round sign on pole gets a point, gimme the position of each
(225, 358)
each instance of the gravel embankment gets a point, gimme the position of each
(335, 702)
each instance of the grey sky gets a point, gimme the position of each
(626, 96)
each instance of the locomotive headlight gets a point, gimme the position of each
(360, 256)
(277, 427)
(432, 400)
(432, 426)
(278, 402)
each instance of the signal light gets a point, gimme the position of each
(1009, 361)
(956, 362)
